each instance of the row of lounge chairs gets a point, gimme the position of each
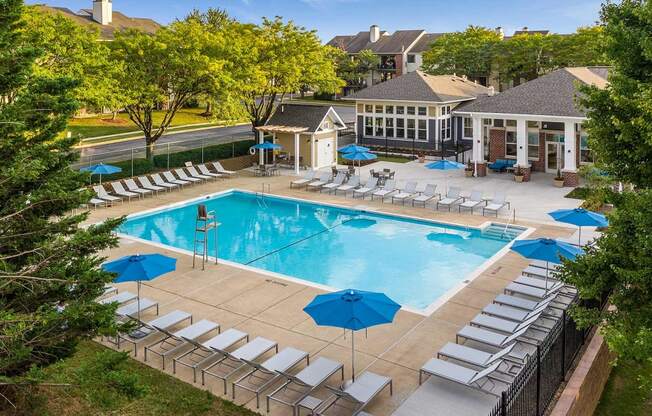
(231, 352)
(499, 340)
(325, 182)
(158, 182)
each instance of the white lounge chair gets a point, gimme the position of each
(408, 192)
(473, 356)
(172, 179)
(131, 310)
(479, 380)
(181, 174)
(207, 351)
(220, 169)
(525, 304)
(308, 177)
(299, 386)
(120, 298)
(96, 202)
(496, 204)
(533, 292)
(491, 338)
(159, 181)
(514, 314)
(452, 198)
(232, 362)
(166, 322)
(323, 179)
(387, 189)
(146, 184)
(203, 169)
(192, 171)
(359, 393)
(173, 342)
(102, 194)
(337, 182)
(131, 186)
(350, 185)
(540, 272)
(118, 189)
(427, 195)
(506, 326)
(474, 200)
(267, 373)
(541, 283)
(368, 188)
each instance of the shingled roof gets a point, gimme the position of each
(302, 116)
(424, 42)
(387, 44)
(554, 94)
(419, 86)
(107, 32)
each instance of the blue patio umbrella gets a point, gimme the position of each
(352, 309)
(580, 217)
(101, 169)
(266, 146)
(444, 165)
(359, 156)
(140, 267)
(352, 148)
(546, 249)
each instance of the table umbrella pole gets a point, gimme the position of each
(352, 355)
(138, 291)
(579, 239)
(547, 277)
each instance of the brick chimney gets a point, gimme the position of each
(103, 11)
(374, 33)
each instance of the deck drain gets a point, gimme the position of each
(276, 282)
(497, 269)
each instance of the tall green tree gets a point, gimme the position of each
(469, 53)
(166, 70)
(526, 56)
(49, 267)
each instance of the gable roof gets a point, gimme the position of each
(305, 116)
(553, 94)
(419, 86)
(393, 44)
(424, 42)
(531, 32)
(107, 32)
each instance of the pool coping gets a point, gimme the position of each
(426, 312)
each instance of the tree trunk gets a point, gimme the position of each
(209, 109)
(149, 149)
(114, 115)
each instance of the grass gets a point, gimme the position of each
(623, 395)
(578, 193)
(106, 382)
(311, 99)
(103, 125)
(381, 158)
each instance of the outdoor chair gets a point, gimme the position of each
(492, 338)
(350, 185)
(506, 326)
(181, 174)
(203, 169)
(337, 182)
(192, 171)
(388, 188)
(323, 179)
(452, 197)
(526, 304)
(119, 190)
(146, 184)
(109, 289)
(166, 322)
(542, 273)
(173, 342)
(368, 187)
(481, 380)
(172, 179)
(479, 358)
(96, 202)
(263, 375)
(232, 362)
(426, 196)
(408, 192)
(102, 194)
(533, 292)
(357, 394)
(207, 351)
(514, 314)
(131, 186)
(120, 298)
(220, 169)
(539, 282)
(159, 181)
(543, 265)
(299, 386)
(496, 204)
(131, 310)
(472, 201)
(308, 177)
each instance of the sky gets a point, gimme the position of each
(333, 17)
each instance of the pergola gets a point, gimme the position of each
(295, 130)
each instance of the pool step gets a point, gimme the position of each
(502, 232)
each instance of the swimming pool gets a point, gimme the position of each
(413, 261)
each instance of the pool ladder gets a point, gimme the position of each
(204, 224)
(260, 196)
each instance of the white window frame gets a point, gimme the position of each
(374, 116)
(467, 128)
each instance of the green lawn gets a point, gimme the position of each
(623, 395)
(105, 382)
(381, 158)
(103, 125)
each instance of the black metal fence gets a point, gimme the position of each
(534, 388)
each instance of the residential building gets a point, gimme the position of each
(104, 18)
(414, 111)
(538, 124)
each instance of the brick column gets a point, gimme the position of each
(571, 179)
(481, 169)
(526, 174)
(496, 144)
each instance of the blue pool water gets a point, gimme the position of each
(413, 262)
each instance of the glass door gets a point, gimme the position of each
(554, 152)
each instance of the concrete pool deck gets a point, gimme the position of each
(272, 308)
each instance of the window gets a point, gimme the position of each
(448, 127)
(400, 109)
(533, 124)
(533, 145)
(379, 109)
(368, 108)
(379, 127)
(410, 128)
(487, 121)
(499, 122)
(423, 111)
(468, 127)
(411, 58)
(410, 110)
(423, 129)
(400, 128)
(389, 109)
(368, 126)
(585, 153)
(389, 127)
(510, 144)
(510, 123)
(360, 108)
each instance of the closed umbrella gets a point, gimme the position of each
(140, 267)
(580, 217)
(352, 309)
(352, 148)
(101, 169)
(359, 156)
(546, 249)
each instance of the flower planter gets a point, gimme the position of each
(558, 182)
(519, 178)
(422, 159)
(468, 173)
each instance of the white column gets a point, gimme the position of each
(261, 139)
(570, 147)
(478, 140)
(297, 145)
(521, 143)
(337, 139)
